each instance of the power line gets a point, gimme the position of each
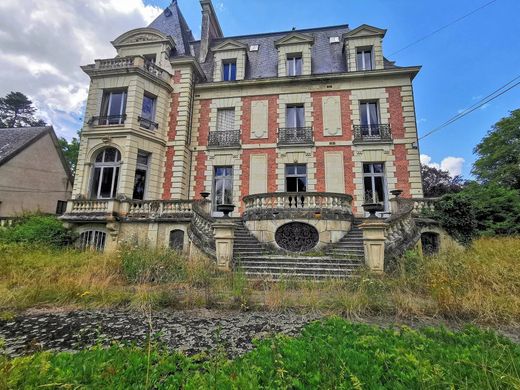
(492, 96)
(443, 27)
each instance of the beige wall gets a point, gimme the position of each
(35, 179)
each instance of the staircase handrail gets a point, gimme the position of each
(201, 228)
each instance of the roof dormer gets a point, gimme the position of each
(230, 61)
(294, 54)
(364, 48)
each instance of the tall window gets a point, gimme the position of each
(223, 186)
(105, 174)
(148, 111)
(140, 175)
(364, 59)
(295, 116)
(375, 183)
(369, 114)
(113, 108)
(294, 65)
(296, 178)
(229, 70)
(225, 119)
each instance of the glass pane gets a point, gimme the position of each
(300, 119)
(298, 70)
(233, 71)
(290, 169)
(373, 118)
(110, 155)
(291, 184)
(226, 119)
(228, 171)
(95, 182)
(368, 59)
(142, 158)
(226, 72)
(364, 114)
(359, 60)
(99, 157)
(301, 169)
(379, 189)
(104, 104)
(366, 168)
(302, 184)
(378, 168)
(148, 108)
(290, 67)
(106, 182)
(116, 178)
(369, 192)
(219, 191)
(116, 103)
(139, 184)
(228, 191)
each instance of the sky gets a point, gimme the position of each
(43, 43)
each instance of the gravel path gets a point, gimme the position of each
(190, 331)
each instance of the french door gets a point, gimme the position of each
(222, 187)
(375, 186)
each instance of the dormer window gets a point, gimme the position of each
(364, 59)
(294, 64)
(229, 68)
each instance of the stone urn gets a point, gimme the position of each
(226, 209)
(396, 193)
(204, 195)
(373, 208)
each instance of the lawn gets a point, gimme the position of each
(480, 284)
(329, 354)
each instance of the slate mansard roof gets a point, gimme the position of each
(326, 57)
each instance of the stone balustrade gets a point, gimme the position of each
(88, 206)
(138, 62)
(424, 206)
(158, 208)
(299, 201)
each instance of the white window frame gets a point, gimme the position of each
(372, 175)
(230, 61)
(109, 106)
(115, 166)
(291, 64)
(363, 51)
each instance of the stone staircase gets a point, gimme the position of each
(340, 260)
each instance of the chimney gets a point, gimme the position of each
(210, 28)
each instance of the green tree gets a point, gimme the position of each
(437, 182)
(16, 110)
(70, 151)
(498, 153)
(456, 214)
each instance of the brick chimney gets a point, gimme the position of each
(210, 28)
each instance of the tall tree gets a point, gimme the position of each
(70, 151)
(16, 110)
(499, 154)
(437, 182)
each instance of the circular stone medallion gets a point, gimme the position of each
(297, 237)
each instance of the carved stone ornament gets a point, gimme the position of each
(143, 38)
(297, 237)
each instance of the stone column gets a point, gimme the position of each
(224, 240)
(374, 244)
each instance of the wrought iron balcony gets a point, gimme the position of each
(107, 120)
(295, 136)
(147, 123)
(372, 133)
(224, 138)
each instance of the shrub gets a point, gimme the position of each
(142, 264)
(456, 214)
(38, 229)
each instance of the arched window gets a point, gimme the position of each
(177, 240)
(105, 174)
(92, 240)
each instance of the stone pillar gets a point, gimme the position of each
(224, 240)
(374, 244)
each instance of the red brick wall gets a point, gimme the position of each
(346, 120)
(170, 153)
(202, 140)
(272, 120)
(402, 171)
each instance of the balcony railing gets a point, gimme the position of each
(298, 201)
(372, 133)
(224, 138)
(147, 124)
(132, 62)
(295, 136)
(107, 120)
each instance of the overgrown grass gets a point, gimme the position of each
(480, 284)
(333, 354)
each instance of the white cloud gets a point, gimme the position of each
(453, 165)
(44, 42)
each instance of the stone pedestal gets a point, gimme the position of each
(374, 244)
(224, 240)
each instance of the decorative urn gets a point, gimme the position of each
(373, 208)
(226, 209)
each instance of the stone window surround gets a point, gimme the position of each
(287, 50)
(235, 103)
(354, 44)
(220, 57)
(378, 95)
(296, 156)
(304, 99)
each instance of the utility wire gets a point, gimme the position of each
(492, 96)
(443, 28)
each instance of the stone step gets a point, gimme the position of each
(295, 276)
(289, 265)
(295, 259)
(316, 270)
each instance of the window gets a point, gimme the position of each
(150, 58)
(105, 174)
(146, 120)
(295, 116)
(375, 183)
(61, 207)
(92, 240)
(177, 240)
(364, 59)
(296, 178)
(225, 119)
(230, 70)
(140, 175)
(223, 186)
(369, 114)
(113, 108)
(294, 65)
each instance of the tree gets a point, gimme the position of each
(70, 151)
(437, 182)
(16, 110)
(456, 214)
(498, 154)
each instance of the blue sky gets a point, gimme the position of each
(461, 64)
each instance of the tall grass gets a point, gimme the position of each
(481, 284)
